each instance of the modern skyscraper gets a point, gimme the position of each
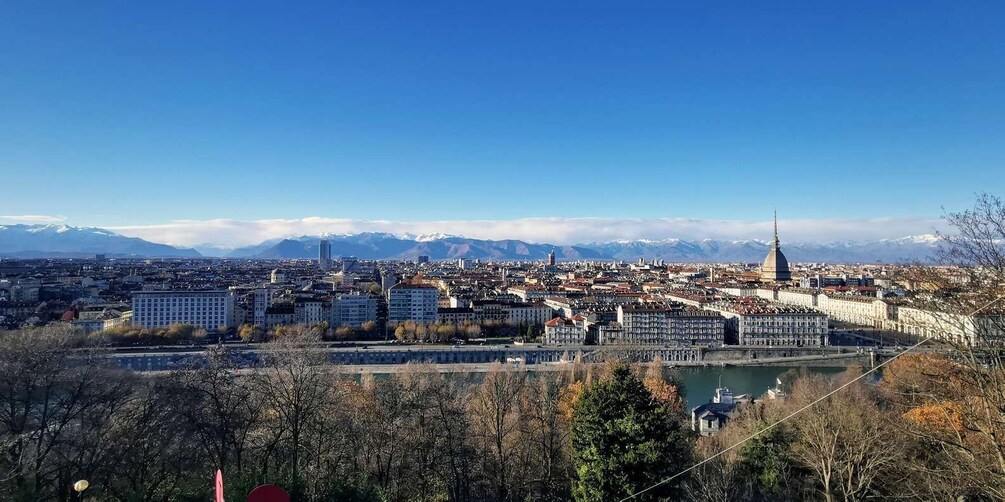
(551, 258)
(775, 267)
(325, 254)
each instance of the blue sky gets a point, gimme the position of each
(133, 114)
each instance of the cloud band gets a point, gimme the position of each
(236, 233)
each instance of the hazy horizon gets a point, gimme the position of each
(560, 231)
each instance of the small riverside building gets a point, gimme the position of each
(708, 419)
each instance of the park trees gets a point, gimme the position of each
(294, 387)
(51, 398)
(545, 436)
(961, 417)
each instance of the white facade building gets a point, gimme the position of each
(261, 302)
(761, 323)
(798, 296)
(310, 311)
(528, 313)
(353, 309)
(956, 328)
(205, 309)
(412, 302)
(862, 310)
(560, 331)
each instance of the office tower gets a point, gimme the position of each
(325, 254)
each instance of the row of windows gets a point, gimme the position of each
(143, 303)
(185, 308)
(177, 300)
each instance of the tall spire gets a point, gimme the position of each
(776, 228)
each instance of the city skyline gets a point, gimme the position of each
(119, 118)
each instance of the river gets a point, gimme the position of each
(700, 382)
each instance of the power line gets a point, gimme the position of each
(800, 410)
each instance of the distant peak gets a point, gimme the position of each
(435, 236)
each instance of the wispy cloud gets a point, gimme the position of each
(235, 233)
(33, 218)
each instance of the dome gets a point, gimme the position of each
(775, 267)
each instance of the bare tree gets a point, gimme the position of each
(964, 296)
(494, 409)
(217, 405)
(144, 453)
(51, 395)
(294, 387)
(844, 440)
(545, 437)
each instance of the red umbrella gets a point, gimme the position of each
(268, 493)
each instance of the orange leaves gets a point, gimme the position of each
(570, 396)
(942, 416)
(914, 379)
(661, 391)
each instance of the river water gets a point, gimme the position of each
(700, 382)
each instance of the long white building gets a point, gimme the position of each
(205, 309)
(758, 322)
(861, 310)
(956, 328)
(528, 313)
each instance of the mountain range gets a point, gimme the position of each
(64, 241)
(54, 241)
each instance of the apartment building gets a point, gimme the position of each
(412, 302)
(668, 323)
(353, 309)
(205, 309)
(559, 331)
(754, 321)
(528, 313)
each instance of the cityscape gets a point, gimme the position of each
(520, 252)
(685, 310)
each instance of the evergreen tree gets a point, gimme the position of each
(625, 440)
(765, 465)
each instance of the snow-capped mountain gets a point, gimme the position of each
(63, 240)
(376, 245)
(902, 250)
(34, 241)
(428, 237)
(387, 246)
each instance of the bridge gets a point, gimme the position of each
(384, 355)
(250, 356)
